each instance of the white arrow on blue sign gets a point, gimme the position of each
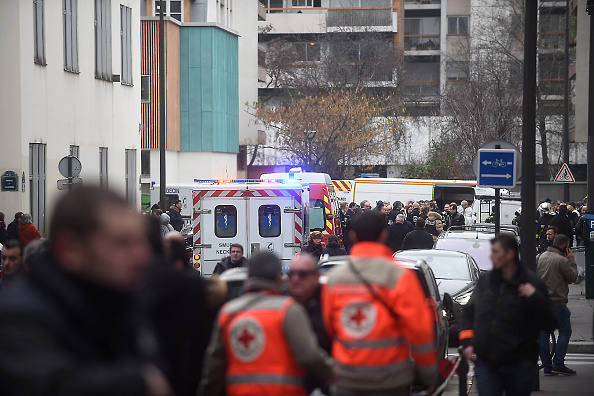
(497, 168)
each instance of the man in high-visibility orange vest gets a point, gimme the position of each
(377, 317)
(262, 341)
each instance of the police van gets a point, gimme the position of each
(174, 193)
(261, 215)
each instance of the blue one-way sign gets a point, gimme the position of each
(497, 168)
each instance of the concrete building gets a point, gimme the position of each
(211, 51)
(70, 86)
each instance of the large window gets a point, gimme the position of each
(103, 166)
(145, 163)
(458, 25)
(269, 220)
(302, 3)
(69, 19)
(307, 52)
(317, 219)
(457, 71)
(126, 34)
(173, 9)
(421, 26)
(225, 221)
(360, 3)
(39, 31)
(103, 39)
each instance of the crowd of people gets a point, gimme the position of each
(557, 217)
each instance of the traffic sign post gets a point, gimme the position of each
(69, 167)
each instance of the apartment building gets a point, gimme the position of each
(211, 63)
(70, 86)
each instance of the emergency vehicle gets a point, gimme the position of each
(324, 210)
(261, 215)
(173, 193)
(343, 190)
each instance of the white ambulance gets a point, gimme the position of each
(261, 215)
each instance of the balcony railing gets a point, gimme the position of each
(421, 42)
(359, 17)
(421, 89)
(422, 1)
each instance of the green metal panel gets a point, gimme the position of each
(209, 89)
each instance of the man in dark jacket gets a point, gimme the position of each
(418, 238)
(397, 232)
(235, 259)
(304, 286)
(177, 221)
(456, 219)
(2, 228)
(73, 326)
(333, 248)
(415, 214)
(502, 321)
(12, 231)
(562, 222)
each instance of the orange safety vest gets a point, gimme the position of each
(368, 340)
(260, 360)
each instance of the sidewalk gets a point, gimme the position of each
(582, 340)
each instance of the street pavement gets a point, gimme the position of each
(579, 358)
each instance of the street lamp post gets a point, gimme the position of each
(162, 173)
(310, 135)
(590, 158)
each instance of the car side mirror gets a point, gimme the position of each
(448, 303)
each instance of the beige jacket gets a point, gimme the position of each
(557, 272)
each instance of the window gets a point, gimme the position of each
(360, 3)
(69, 19)
(38, 26)
(126, 35)
(457, 71)
(421, 26)
(37, 184)
(103, 39)
(307, 52)
(103, 167)
(317, 220)
(269, 221)
(74, 151)
(458, 25)
(145, 93)
(302, 3)
(225, 221)
(145, 163)
(131, 176)
(173, 9)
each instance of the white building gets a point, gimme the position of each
(70, 85)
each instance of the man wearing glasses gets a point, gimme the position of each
(304, 287)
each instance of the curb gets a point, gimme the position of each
(581, 347)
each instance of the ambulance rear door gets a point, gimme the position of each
(272, 225)
(223, 222)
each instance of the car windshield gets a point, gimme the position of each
(478, 249)
(443, 266)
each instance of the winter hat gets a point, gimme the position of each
(316, 235)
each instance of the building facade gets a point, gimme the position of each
(211, 71)
(70, 86)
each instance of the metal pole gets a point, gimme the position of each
(528, 248)
(497, 211)
(590, 160)
(462, 373)
(566, 103)
(162, 175)
(69, 173)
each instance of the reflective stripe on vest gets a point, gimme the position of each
(388, 368)
(265, 379)
(372, 344)
(424, 348)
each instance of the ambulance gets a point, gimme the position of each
(343, 190)
(324, 210)
(261, 215)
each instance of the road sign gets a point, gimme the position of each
(70, 166)
(496, 168)
(503, 145)
(564, 175)
(63, 184)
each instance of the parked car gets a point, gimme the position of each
(456, 273)
(476, 243)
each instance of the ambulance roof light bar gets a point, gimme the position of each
(238, 181)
